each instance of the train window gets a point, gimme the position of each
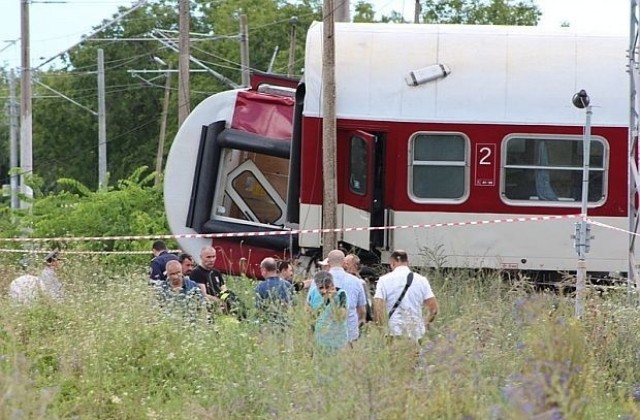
(254, 185)
(549, 169)
(358, 158)
(438, 166)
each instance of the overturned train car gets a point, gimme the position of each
(435, 124)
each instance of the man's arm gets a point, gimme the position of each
(362, 306)
(431, 305)
(155, 270)
(379, 311)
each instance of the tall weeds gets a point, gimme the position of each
(498, 350)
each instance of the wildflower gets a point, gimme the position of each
(115, 399)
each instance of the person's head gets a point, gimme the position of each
(324, 283)
(285, 269)
(352, 264)
(397, 258)
(208, 257)
(174, 274)
(158, 248)
(268, 268)
(336, 258)
(186, 261)
(53, 260)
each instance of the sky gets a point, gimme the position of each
(59, 24)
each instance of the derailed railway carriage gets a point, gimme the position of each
(435, 124)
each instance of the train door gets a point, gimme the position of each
(356, 186)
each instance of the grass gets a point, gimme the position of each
(497, 351)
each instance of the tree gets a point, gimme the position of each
(65, 139)
(482, 12)
(364, 12)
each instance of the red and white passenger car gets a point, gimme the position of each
(496, 138)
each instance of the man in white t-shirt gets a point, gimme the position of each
(416, 308)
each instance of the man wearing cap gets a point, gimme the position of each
(25, 288)
(161, 257)
(402, 298)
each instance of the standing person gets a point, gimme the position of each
(329, 307)
(273, 294)
(25, 289)
(353, 288)
(285, 270)
(400, 299)
(161, 257)
(207, 275)
(352, 265)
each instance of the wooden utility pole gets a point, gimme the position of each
(163, 127)
(244, 52)
(293, 22)
(342, 11)
(13, 140)
(26, 143)
(329, 204)
(102, 124)
(184, 94)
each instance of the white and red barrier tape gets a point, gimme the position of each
(47, 251)
(604, 225)
(291, 232)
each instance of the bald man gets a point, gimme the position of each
(206, 274)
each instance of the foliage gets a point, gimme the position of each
(133, 206)
(497, 351)
(482, 12)
(364, 12)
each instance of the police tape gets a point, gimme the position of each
(47, 251)
(291, 232)
(606, 226)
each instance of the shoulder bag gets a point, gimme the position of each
(404, 292)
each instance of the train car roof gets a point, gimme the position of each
(499, 74)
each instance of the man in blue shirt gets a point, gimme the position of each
(161, 257)
(356, 311)
(273, 294)
(180, 296)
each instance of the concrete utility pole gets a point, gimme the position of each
(13, 139)
(244, 51)
(342, 11)
(102, 125)
(26, 143)
(329, 219)
(184, 93)
(293, 22)
(163, 127)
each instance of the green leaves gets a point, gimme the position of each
(482, 12)
(133, 207)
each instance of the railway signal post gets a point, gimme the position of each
(583, 229)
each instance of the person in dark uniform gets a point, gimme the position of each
(161, 257)
(206, 274)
